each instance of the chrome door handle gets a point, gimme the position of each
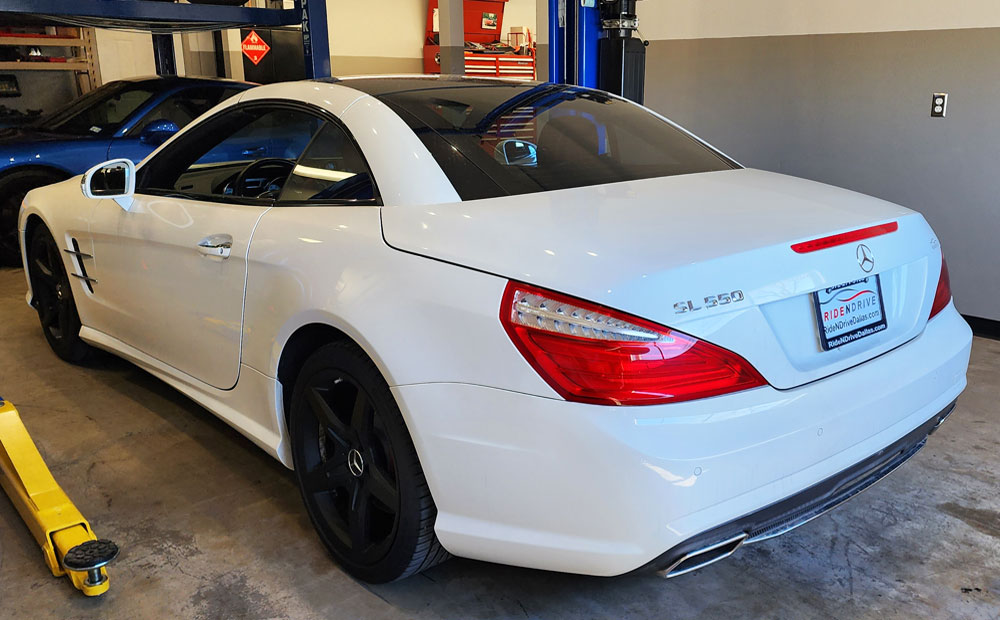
(216, 245)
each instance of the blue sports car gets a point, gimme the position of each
(127, 118)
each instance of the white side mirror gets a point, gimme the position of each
(112, 179)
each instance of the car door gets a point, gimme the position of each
(179, 108)
(171, 270)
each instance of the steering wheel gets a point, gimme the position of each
(271, 170)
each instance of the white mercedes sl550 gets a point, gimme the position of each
(519, 322)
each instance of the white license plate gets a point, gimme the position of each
(849, 312)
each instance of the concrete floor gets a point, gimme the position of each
(211, 527)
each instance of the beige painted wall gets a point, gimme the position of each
(697, 19)
(542, 21)
(520, 13)
(124, 54)
(196, 52)
(387, 36)
(377, 28)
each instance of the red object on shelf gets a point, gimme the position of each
(33, 35)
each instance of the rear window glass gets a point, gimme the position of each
(505, 139)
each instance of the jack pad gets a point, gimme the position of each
(91, 556)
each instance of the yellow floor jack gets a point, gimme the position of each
(67, 542)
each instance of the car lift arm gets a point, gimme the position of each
(51, 517)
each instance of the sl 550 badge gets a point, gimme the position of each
(712, 301)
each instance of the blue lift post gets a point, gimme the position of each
(163, 17)
(574, 30)
(557, 41)
(315, 38)
(588, 31)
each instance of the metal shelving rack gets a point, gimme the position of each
(75, 64)
(164, 18)
(82, 63)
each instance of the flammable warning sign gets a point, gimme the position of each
(254, 47)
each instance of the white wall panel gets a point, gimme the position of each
(702, 19)
(377, 28)
(124, 54)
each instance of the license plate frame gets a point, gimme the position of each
(838, 329)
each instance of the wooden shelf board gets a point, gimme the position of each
(42, 41)
(44, 66)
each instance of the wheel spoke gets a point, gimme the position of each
(63, 311)
(53, 253)
(361, 416)
(44, 273)
(357, 518)
(382, 487)
(48, 315)
(335, 429)
(340, 531)
(327, 476)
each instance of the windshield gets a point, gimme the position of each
(503, 139)
(100, 112)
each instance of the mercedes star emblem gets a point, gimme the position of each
(866, 258)
(355, 463)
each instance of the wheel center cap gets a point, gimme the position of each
(355, 463)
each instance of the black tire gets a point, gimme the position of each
(377, 520)
(13, 188)
(53, 297)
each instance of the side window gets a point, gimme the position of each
(184, 106)
(248, 152)
(106, 115)
(331, 169)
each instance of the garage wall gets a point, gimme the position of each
(195, 54)
(376, 36)
(840, 92)
(520, 13)
(124, 54)
(700, 19)
(387, 36)
(542, 37)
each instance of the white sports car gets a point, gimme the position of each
(525, 323)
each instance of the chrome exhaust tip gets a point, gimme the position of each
(941, 418)
(701, 558)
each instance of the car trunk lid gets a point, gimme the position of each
(709, 254)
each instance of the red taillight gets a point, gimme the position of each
(592, 354)
(943, 294)
(843, 238)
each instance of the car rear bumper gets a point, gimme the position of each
(544, 483)
(786, 515)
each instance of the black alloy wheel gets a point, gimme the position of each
(351, 476)
(53, 298)
(357, 469)
(13, 188)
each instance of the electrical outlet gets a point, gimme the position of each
(939, 105)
